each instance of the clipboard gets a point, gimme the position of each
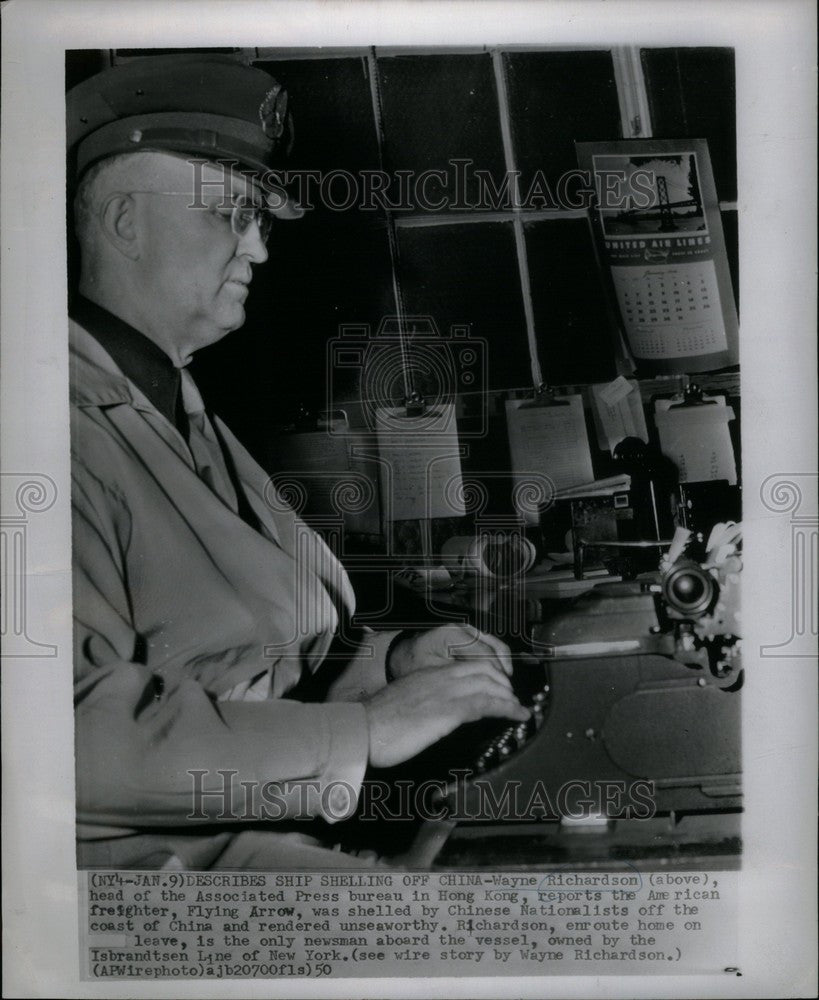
(693, 433)
(548, 441)
(692, 397)
(420, 461)
(543, 397)
(415, 406)
(323, 466)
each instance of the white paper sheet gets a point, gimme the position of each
(548, 441)
(697, 440)
(618, 412)
(420, 464)
(692, 322)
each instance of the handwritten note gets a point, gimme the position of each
(549, 441)
(697, 440)
(618, 412)
(420, 464)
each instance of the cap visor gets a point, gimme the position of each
(281, 204)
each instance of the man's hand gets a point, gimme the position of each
(414, 712)
(448, 644)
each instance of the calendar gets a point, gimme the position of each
(671, 310)
(658, 225)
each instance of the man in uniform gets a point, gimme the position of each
(200, 600)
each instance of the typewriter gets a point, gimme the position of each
(633, 744)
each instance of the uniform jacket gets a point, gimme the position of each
(191, 626)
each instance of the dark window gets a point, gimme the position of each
(332, 113)
(437, 109)
(692, 94)
(556, 98)
(468, 275)
(572, 322)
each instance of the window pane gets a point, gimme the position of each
(468, 275)
(572, 322)
(692, 94)
(332, 113)
(437, 109)
(554, 99)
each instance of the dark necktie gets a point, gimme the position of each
(212, 458)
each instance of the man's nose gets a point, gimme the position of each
(251, 244)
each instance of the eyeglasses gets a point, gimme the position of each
(244, 213)
(241, 214)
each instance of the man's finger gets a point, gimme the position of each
(486, 706)
(480, 667)
(478, 642)
(501, 650)
(488, 690)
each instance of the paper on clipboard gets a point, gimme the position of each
(330, 469)
(618, 412)
(420, 464)
(697, 439)
(549, 441)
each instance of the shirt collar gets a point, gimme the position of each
(136, 356)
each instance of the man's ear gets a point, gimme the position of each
(118, 222)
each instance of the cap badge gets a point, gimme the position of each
(273, 112)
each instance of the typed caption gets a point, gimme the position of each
(180, 925)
